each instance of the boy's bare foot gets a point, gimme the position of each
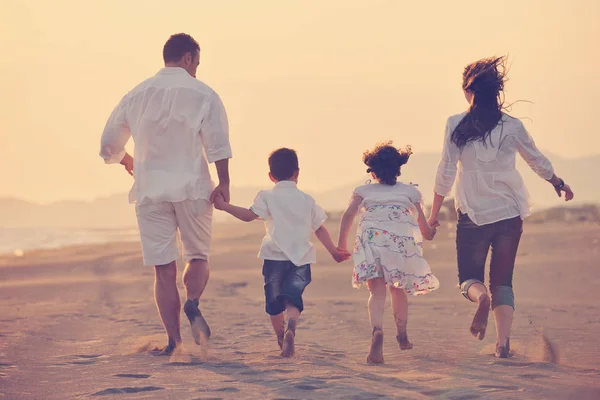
(288, 348)
(480, 320)
(280, 337)
(376, 353)
(402, 339)
(200, 328)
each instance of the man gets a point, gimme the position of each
(178, 125)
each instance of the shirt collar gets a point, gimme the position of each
(285, 184)
(172, 71)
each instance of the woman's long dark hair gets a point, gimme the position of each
(485, 79)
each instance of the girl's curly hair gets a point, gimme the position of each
(384, 160)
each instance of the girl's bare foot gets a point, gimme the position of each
(402, 339)
(480, 320)
(376, 353)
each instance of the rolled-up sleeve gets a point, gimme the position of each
(446, 172)
(532, 156)
(260, 206)
(115, 135)
(215, 130)
(318, 217)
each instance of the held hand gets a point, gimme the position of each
(568, 192)
(431, 234)
(433, 222)
(127, 162)
(340, 255)
(220, 203)
(221, 191)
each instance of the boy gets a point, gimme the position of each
(290, 217)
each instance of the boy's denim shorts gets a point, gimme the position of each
(284, 281)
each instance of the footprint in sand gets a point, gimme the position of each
(127, 390)
(231, 289)
(498, 388)
(227, 389)
(306, 387)
(133, 376)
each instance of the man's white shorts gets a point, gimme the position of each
(158, 224)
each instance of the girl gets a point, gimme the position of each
(388, 249)
(491, 199)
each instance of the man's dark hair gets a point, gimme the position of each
(178, 45)
(283, 164)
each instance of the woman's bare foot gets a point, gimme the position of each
(480, 320)
(402, 339)
(280, 337)
(503, 351)
(376, 353)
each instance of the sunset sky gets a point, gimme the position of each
(328, 78)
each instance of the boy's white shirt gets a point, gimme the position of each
(291, 216)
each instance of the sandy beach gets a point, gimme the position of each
(79, 322)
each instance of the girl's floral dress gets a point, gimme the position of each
(388, 243)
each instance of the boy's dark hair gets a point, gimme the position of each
(283, 164)
(178, 45)
(384, 160)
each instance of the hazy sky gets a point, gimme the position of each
(328, 78)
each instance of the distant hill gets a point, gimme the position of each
(114, 211)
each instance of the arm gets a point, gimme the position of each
(438, 200)
(348, 220)
(324, 237)
(540, 164)
(115, 136)
(223, 187)
(243, 214)
(214, 134)
(446, 174)
(427, 231)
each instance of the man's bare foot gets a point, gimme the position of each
(167, 350)
(402, 339)
(200, 328)
(480, 320)
(376, 353)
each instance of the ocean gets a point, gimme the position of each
(20, 240)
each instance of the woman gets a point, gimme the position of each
(491, 198)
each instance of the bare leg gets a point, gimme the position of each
(168, 303)
(377, 287)
(503, 315)
(400, 308)
(293, 314)
(278, 322)
(479, 294)
(195, 278)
